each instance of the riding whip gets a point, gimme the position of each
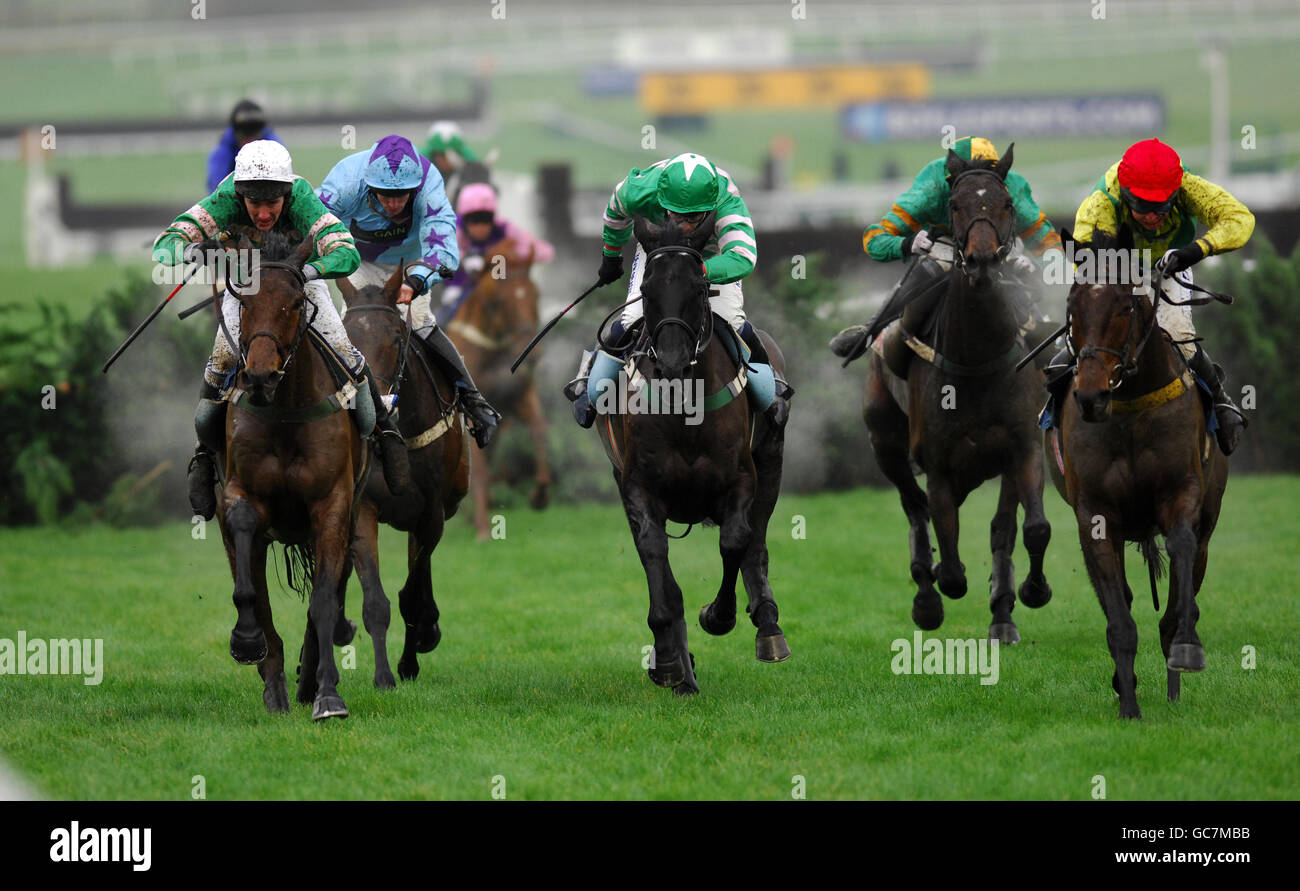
(153, 315)
(549, 325)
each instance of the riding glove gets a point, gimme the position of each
(611, 269)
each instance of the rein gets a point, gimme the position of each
(304, 321)
(704, 333)
(1004, 238)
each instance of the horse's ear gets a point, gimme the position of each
(347, 289)
(1067, 239)
(1125, 240)
(302, 252)
(647, 233)
(955, 163)
(1003, 166)
(394, 283)
(700, 236)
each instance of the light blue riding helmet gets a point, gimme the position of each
(395, 165)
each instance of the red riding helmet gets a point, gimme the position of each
(1151, 170)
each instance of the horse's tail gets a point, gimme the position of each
(1155, 560)
(300, 568)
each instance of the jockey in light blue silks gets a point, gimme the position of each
(393, 202)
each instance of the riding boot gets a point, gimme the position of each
(779, 411)
(392, 448)
(483, 417)
(576, 391)
(1059, 375)
(210, 425)
(1231, 420)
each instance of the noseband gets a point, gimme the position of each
(701, 335)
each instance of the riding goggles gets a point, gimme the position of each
(1143, 206)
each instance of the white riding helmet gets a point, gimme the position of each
(263, 170)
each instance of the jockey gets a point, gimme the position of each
(264, 194)
(684, 190)
(446, 148)
(1149, 191)
(392, 200)
(480, 228)
(247, 123)
(920, 218)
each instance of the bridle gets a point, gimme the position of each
(304, 320)
(1005, 238)
(1133, 347)
(701, 335)
(403, 343)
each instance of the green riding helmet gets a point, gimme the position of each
(688, 184)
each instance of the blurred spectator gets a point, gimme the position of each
(247, 123)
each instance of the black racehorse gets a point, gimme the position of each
(965, 415)
(725, 469)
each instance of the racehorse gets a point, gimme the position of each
(964, 415)
(1136, 462)
(292, 459)
(725, 469)
(495, 323)
(439, 455)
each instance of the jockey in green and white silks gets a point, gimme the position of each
(393, 202)
(684, 190)
(264, 194)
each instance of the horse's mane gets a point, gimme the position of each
(278, 244)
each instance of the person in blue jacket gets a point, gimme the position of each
(393, 201)
(247, 123)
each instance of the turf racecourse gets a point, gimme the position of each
(538, 679)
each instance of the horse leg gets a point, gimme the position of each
(530, 409)
(1105, 561)
(769, 644)
(344, 628)
(331, 518)
(1002, 541)
(1185, 652)
(1034, 590)
(888, 431)
(1169, 625)
(950, 572)
(247, 640)
(275, 691)
(734, 535)
(673, 663)
(376, 612)
(419, 609)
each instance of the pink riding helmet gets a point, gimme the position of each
(476, 198)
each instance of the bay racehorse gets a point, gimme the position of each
(965, 415)
(1135, 461)
(292, 460)
(495, 323)
(438, 448)
(723, 465)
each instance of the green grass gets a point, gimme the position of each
(538, 676)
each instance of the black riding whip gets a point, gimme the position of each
(549, 325)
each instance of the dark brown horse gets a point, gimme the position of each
(725, 467)
(291, 462)
(1137, 463)
(965, 415)
(439, 455)
(496, 322)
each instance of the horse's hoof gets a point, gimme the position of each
(540, 497)
(384, 679)
(1004, 632)
(427, 639)
(1130, 711)
(1174, 685)
(927, 616)
(344, 631)
(952, 582)
(248, 649)
(408, 670)
(686, 689)
(1033, 595)
(668, 675)
(1186, 657)
(711, 624)
(772, 648)
(276, 694)
(328, 707)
